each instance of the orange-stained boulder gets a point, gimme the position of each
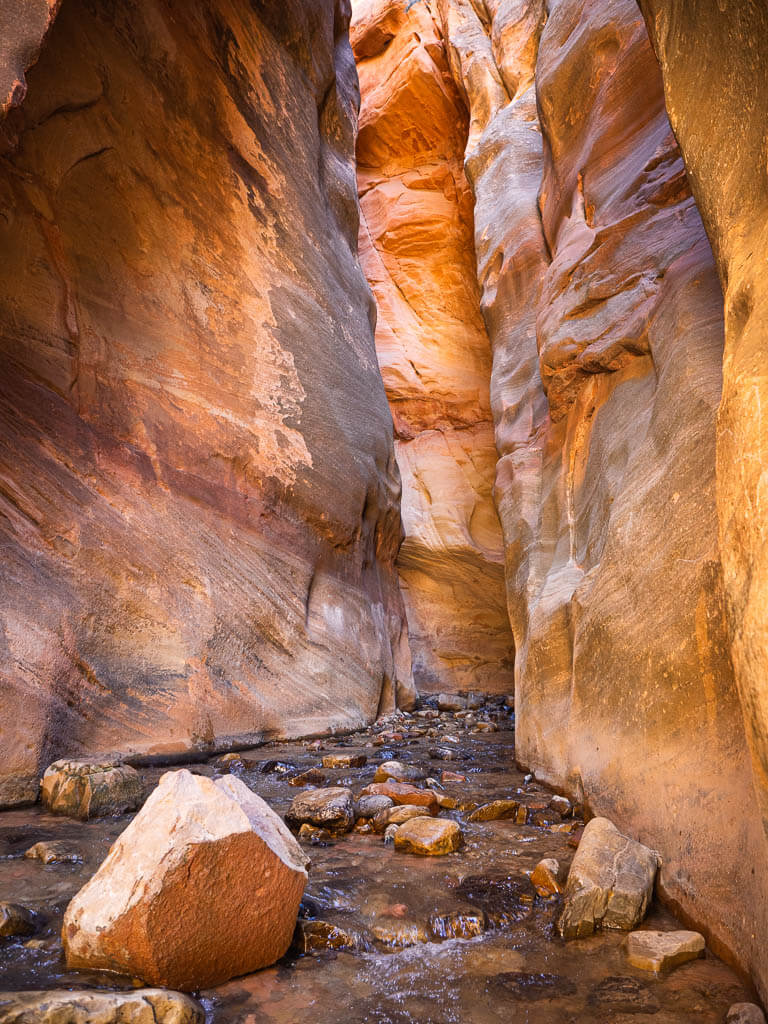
(404, 794)
(204, 885)
(417, 251)
(199, 501)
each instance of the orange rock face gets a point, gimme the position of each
(603, 308)
(198, 492)
(417, 251)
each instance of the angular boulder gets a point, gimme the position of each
(610, 883)
(203, 885)
(428, 837)
(137, 1006)
(332, 808)
(87, 789)
(658, 951)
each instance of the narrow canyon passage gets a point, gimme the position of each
(381, 520)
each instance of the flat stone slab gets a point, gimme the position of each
(658, 951)
(134, 1006)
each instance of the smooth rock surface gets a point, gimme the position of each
(402, 793)
(496, 810)
(16, 920)
(545, 877)
(658, 951)
(430, 837)
(610, 883)
(332, 808)
(139, 1006)
(200, 497)
(85, 789)
(204, 885)
(417, 252)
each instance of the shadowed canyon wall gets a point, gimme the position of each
(416, 248)
(198, 492)
(605, 314)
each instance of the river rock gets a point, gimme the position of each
(16, 920)
(610, 883)
(657, 951)
(429, 837)
(402, 793)
(204, 885)
(311, 777)
(53, 852)
(457, 925)
(745, 1013)
(86, 789)
(496, 810)
(344, 760)
(389, 833)
(331, 808)
(398, 771)
(544, 877)
(136, 1006)
(451, 702)
(400, 936)
(370, 806)
(397, 816)
(314, 935)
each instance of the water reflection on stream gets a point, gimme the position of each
(516, 970)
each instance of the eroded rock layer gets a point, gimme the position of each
(604, 310)
(416, 248)
(198, 493)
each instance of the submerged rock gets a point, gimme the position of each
(430, 837)
(203, 885)
(137, 1006)
(331, 808)
(86, 789)
(53, 853)
(610, 883)
(399, 936)
(457, 925)
(657, 951)
(16, 920)
(313, 935)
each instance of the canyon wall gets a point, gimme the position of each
(416, 248)
(605, 314)
(198, 492)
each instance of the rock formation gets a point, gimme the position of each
(417, 251)
(198, 494)
(602, 304)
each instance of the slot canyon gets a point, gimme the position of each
(384, 573)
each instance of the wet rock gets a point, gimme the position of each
(504, 899)
(137, 1006)
(389, 833)
(53, 853)
(314, 835)
(313, 935)
(623, 995)
(657, 951)
(451, 702)
(331, 808)
(444, 754)
(86, 789)
(521, 985)
(544, 877)
(16, 920)
(400, 936)
(429, 837)
(204, 885)
(745, 1013)
(396, 816)
(344, 761)
(311, 777)
(457, 925)
(561, 804)
(496, 810)
(233, 763)
(402, 793)
(448, 776)
(370, 806)
(274, 767)
(398, 771)
(610, 882)
(447, 803)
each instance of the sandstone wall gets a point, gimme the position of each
(198, 492)
(605, 315)
(416, 248)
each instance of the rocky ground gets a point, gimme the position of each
(387, 934)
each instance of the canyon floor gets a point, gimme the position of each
(390, 915)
